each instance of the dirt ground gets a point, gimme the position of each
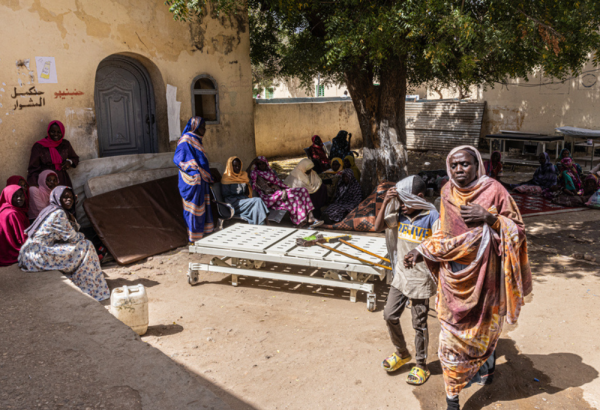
(278, 345)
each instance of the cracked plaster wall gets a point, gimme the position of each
(79, 34)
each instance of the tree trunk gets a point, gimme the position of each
(380, 111)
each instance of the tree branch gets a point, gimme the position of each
(546, 26)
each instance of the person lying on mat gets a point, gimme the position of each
(236, 191)
(544, 177)
(304, 176)
(13, 222)
(277, 195)
(347, 197)
(409, 219)
(54, 243)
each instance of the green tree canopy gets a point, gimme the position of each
(379, 47)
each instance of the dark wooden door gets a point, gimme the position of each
(125, 109)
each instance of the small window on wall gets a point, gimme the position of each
(205, 98)
(320, 91)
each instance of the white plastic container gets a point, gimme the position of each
(129, 304)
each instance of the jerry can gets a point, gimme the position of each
(129, 304)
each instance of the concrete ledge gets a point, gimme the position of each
(62, 349)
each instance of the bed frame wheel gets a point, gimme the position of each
(192, 277)
(371, 302)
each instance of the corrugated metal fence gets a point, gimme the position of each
(443, 125)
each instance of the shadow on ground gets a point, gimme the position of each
(517, 383)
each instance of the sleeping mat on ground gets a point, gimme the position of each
(140, 220)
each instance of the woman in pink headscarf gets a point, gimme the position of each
(53, 152)
(13, 222)
(40, 195)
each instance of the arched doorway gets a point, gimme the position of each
(125, 109)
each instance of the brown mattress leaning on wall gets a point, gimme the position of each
(139, 221)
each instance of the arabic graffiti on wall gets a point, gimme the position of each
(67, 93)
(29, 93)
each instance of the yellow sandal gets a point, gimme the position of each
(417, 376)
(395, 362)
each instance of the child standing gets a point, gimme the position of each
(409, 219)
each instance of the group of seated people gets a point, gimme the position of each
(38, 228)
(304, 193)
(562, 182)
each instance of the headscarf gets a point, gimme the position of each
(14, 180)
(348, 193)
(54, 205)
(317, 151)
(339, 161)
(545, 175)
(339, 146)
(12, 227)
(52, 145)
(299, 179)
(570, 169)
(269, 175)
(559, 164)
(353, 166)
(192, 126)
(595, 179)
(490, 169)
(404, 189)
(40, 195)
(230, 177)
(464, 195)
(6, 199)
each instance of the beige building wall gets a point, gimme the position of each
(286, 129)
(79, 34)
(543, 104)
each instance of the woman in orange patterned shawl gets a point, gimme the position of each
(479, 257)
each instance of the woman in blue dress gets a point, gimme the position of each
(236, 190)
(194, 178)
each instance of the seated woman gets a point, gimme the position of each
(493, 166)
(543, 178)
(55, 244)
(52, 152)
(318, 155)
(277, 195)
(350, 163)
(331, 177)
(340, 146)
(236, 191)
(22, 182)
(569, 177)
(13, 222)
(565, 153)
(348, 196)
(304, 176)
(40, 194)
(564, 197)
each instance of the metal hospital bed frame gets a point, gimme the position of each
(242, 250)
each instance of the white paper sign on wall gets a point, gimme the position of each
(46, 70)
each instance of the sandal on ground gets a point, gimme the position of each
(417, 376)
(315, 224)
(395, 362)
